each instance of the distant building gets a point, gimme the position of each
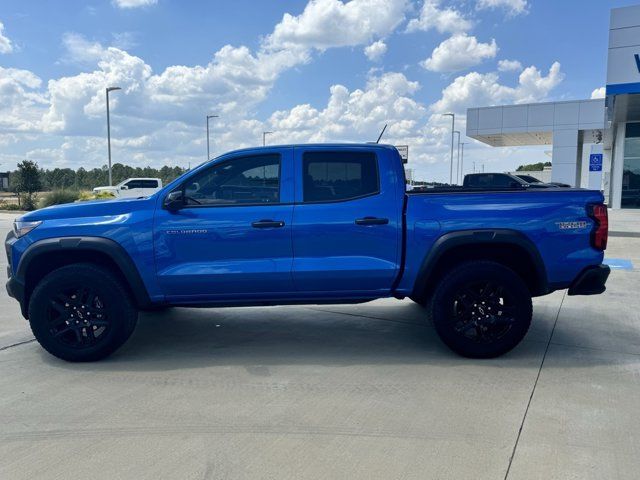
(4, 181)
(596, 143)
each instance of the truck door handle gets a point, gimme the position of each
(268, 224)
(372, 221)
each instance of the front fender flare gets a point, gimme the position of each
(106, 246)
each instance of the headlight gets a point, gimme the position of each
(21, 228)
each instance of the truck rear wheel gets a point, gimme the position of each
(481, 309)
(81, 313)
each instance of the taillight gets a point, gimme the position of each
(600, 232)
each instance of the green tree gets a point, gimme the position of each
(533, 167)
(29, 184)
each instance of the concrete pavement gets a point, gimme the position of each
(363, 391)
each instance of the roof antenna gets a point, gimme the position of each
(381, 133)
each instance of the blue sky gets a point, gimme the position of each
(299, 68)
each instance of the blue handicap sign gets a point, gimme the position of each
(595, 162)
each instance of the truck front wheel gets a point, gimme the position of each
(81, 313)
(481, 309)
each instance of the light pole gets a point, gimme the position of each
(458, 157)
(453, 127)
(462, 162)
(107, 90)
(208, 117)
(264, 137)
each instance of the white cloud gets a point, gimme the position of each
(358, 115)
(477, 90)
(5, 44)
(376, 50)
(332, 23)
(509, 66)
(445, 20)
(513, 7)
(134, 3)
(599, 93)
(232, 83)
(459, 52)
(80, 50)
(21, 102)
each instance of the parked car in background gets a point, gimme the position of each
(306, 224)
(133, 188)
(499, 180)
(531, 179)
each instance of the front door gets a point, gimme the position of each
(346, 222)
(232, 239)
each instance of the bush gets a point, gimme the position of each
(96, 196)
(58, 197)
(9, 206)
(28, 201)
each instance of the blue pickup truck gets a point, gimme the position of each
(305, 224)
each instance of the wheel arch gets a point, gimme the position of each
(44, 256)
(508, 247)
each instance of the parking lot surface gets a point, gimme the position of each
(363, 391)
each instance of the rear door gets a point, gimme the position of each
(346, 221)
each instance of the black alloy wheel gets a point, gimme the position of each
(78, 318)
(481, 309)
(483, 312)
(82, 312)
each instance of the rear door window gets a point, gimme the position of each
(337, 176)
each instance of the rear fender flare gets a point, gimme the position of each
(451, 240)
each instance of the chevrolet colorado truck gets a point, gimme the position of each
(305, 224)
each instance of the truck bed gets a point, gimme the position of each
(555, 220)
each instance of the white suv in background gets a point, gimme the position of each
(133, 188)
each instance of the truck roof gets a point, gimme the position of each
(345, 145)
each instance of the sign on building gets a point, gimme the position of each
(403, 150)
(595, 162)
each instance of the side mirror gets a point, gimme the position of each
(514, 185)
(174, 201)
(124, 187)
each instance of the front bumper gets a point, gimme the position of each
(591, 281)
(15, 288)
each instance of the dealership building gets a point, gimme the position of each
(595, 143)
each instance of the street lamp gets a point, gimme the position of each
(453, 127)
(208, 117)
(264, 137)
(458, 158)
(107, 90)
(462, 162)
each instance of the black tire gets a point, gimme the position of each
(475, 329)
(81, 313)
(157, 309)
(416, 300)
